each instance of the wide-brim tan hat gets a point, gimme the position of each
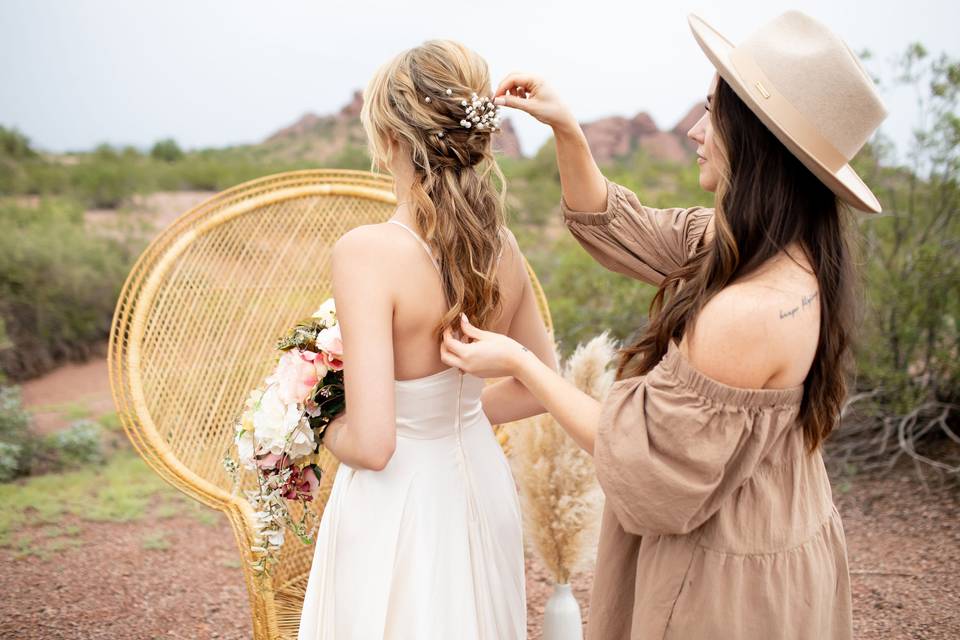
(809, 89)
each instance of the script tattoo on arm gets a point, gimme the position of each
(805, 301)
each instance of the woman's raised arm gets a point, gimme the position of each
(583, 186)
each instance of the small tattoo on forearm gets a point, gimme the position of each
(805, 301)
(523, 348)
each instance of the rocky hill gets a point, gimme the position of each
(617, 137)
(324, 139)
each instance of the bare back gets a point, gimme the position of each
(419, 302)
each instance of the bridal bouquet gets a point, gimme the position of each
(280, 431)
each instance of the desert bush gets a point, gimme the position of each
(166, 150)
(58, 285)
(77, 445)
(907, 390)
(17, 444)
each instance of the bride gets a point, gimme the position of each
(421, 536)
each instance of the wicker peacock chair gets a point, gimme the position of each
(195, 327)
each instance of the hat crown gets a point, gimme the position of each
(818, 74)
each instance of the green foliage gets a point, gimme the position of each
(911, 336)
(123, 489)
(77, 445)
(584, 295)
(166, 150)
(58, 284)
(17, 444)
(14, 144)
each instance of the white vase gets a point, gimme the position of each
(561, 617)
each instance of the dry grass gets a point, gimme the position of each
(558, 485)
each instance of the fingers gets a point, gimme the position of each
(468, 329)
(451, 344)
(448, 357)
(511, 101)
(525, 80)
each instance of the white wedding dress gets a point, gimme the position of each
(430, 547)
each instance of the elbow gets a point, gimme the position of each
(379, 457)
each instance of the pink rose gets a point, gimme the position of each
(273, 461)
(331, 362)
(295, 375)
(330, 341)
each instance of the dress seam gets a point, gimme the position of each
(683, 581)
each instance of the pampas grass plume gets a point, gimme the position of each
(557, 483)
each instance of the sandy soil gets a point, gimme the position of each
(903, 539)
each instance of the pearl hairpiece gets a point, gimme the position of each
(480, 114)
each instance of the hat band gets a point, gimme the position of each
(786, 116)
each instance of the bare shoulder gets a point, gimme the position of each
(374, 245)
(511, 256)
(754, 334)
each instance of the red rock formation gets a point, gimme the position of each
(664, 145)
(306, 123)
(323, 137)
(352, 108)
(506, 142)
(618, 137)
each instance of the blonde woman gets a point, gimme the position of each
(719, 519)
(421, 537)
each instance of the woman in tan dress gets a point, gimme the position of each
(719, 520)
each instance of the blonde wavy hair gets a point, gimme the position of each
(457, 196)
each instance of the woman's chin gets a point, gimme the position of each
(707, 183)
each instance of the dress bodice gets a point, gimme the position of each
(437, 405)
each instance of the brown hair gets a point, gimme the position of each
(765, 201)
(456, 205)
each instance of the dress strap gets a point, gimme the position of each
(422, 242)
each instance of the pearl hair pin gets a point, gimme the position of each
(481, 114)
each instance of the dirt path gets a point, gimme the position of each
(122, 580)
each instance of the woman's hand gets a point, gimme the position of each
(485, 354)
(531, 94)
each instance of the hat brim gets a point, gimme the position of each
(845, 182)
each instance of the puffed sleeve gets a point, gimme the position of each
(635, 240)
(674, 444)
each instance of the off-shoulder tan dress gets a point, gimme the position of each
(718, 524)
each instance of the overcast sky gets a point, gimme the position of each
(211, 73)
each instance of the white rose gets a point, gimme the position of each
(301, 440)
(327, 313)
(273, 421)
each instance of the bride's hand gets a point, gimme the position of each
(531, 94)
(485, 354)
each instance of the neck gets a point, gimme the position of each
(402, 181)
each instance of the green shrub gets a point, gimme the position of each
(166, 150)
(17, 443)
(76, 445)
(14, 144)
(58, 285)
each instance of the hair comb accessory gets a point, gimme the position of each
(481, 114)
